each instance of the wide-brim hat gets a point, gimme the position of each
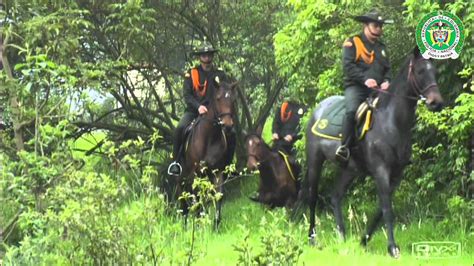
(373, 16)
(204, 49)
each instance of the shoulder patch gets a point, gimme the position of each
(347, 43)
(187, 75)
(300, 111)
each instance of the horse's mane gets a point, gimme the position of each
(399, 79)
(260, 137)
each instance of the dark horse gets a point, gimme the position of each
(385, 150)
(208, 144)
(278, 187)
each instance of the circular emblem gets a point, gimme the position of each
(440, 35)
(300, 111)
(323, 123)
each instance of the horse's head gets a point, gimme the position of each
(422, 79)
(224, 103)
(253, 145)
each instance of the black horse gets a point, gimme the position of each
(208, 144)
(278, 186)
(385, 150)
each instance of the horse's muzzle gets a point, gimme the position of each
(434, 101)
(436, 107)
(252, 164)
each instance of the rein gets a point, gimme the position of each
(412, 81)
(256, 158)
(253, 154)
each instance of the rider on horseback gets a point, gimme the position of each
(286, 126)
(198, 87)
(366, 66)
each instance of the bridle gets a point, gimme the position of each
(255, 156)
(414, 82)
(219, 116)
(414, 85)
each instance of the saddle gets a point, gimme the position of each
(329, 126)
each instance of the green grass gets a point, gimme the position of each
(239, 213)
(220, 251)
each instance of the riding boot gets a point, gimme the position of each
(175, 167)
(348, 130)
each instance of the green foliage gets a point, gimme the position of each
(279, 246)
(100, 204)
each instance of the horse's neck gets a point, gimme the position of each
(267, 173)
(207, 128)
(266, 153)
(268, 164)
(398, 110)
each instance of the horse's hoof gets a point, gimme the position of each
(394, 251)
(254, 199)
(364, 240)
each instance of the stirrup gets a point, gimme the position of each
(343, 153)
(172, 165)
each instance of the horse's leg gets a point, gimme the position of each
(384, 190)
(314, 172)
(373, 224)
(183, 205)
(340, 188)
(219, 183)
(377, 218)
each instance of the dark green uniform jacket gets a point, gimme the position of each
(191, 97)
(290, 126)
(356, 73)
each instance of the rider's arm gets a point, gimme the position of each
(297, 127)
(188, 94)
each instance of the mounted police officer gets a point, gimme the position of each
(197, 92)
(366, 66)
(286, 126)
(285, 132)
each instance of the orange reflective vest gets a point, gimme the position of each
(362, 53)
(284, 115)
(199, 88)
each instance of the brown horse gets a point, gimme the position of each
(208, 144)
(278, 187)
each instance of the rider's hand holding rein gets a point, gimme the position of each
(384, 86)
(275, 136)
(371, 83)
(202, 109)
(288, 138)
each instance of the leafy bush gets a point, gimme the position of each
(279, 242)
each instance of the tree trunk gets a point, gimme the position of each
(15, 108)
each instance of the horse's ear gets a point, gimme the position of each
(259, 130)
(416, 52)
(234, 84)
